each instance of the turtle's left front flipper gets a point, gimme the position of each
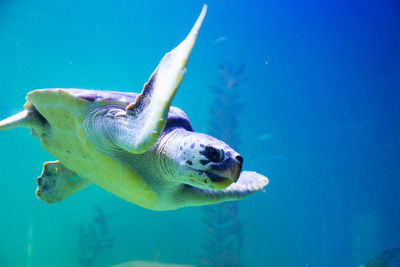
(27, 118)
(138, 127)
(248, 183)
(150, 110)
(57, 182)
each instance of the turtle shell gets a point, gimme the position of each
(64, 111)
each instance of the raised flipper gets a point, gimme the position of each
(248, 183)
(57, 182)
(138, 127)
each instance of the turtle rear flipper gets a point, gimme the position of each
(137, 128)
(57, 182)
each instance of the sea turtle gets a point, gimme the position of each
(135, 146)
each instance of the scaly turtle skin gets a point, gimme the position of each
(135, 146)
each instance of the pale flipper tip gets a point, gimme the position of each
(173, 66)
(187, 45)
(18, 120)
(26, 118)
(249, 182)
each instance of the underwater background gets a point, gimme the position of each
(316, 109)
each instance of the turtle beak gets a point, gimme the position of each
(236, 168)
(228, 171)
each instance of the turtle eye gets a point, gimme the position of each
(213, 154)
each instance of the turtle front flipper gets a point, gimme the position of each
(136, 128)
(150, 110)
(57, 182)
(248, 183)
(27, 118)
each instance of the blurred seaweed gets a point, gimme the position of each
(224, 234)
(94, 238)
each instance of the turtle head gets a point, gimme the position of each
(206, 162)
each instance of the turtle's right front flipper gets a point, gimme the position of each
(248, 184)
(137, 128)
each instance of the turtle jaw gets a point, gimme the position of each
(219, 182)
(216, 179)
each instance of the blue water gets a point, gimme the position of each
(320, 117)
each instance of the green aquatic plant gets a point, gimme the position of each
(94, 238)
(224, 233)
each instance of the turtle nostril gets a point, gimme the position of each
(239, 159)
